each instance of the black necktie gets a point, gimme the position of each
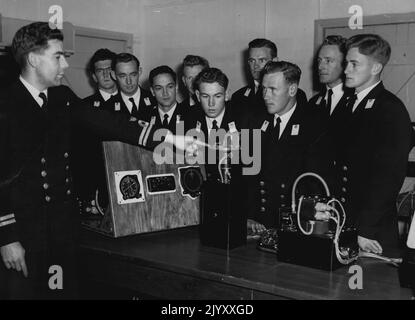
(165, 123)
(42, 95)
(350, 103)
(134, 109)
(216, 128)
(277, 129)
(259, 92)
(329, 94)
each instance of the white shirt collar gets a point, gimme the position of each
(284, 119)
(106, 96)
(33, 91)
(169, 113)
(136, 98)
(337, 90)
(219, 118)
(362, 94)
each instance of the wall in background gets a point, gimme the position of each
(166, 30)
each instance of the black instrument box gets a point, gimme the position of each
(223, 223)
(315, 251)
(407, 270)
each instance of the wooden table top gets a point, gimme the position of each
(179, 251)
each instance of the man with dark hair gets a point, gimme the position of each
(330, 61)
(376, 144)
(330, 102)
(87, 157)
(292, 143)
(38, 213)
(249, 99)
(211, 87)
(164, 87)
(192, 66)
(132, 99)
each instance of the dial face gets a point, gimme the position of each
(130, 187)
(191, 181)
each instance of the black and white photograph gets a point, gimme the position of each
(201, 157)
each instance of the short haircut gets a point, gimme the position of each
(335, 40)
(292, 73)
(124, 58)
(161, 70)
(371, 45)
(265, 43)
(33, 38)
(100, 55)
(191, 61)
(211, 75)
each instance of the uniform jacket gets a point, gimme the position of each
(179, 115)
(36, 190)
(145, 106)
(377, 141)
(301, 148)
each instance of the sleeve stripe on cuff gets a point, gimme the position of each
(9, 216)
(6, 223)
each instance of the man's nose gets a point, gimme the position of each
(64, 63)
(129, 80)
(211, 102)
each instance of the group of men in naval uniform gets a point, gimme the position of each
(354, 133)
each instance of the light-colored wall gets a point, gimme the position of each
(166, 30)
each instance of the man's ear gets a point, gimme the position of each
(32, 59)
(292, 90)
(94, 77)
(377, 68)
(184, 80)
(197, 94)
(275, 59)
(152, 91)
(112, 74)
(227, 95)
(140, 71)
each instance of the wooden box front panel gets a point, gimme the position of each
(157, 212)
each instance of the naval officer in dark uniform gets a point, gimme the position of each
(376, 144)
(38, 216)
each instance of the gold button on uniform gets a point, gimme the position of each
(68, 192)
(43, 160)
(66, 155)
(343, 200)
(263, 200)
(67, 180)
(262, 209)
(283, 186)
(345, 168)
(262, 183)
(262, 192)
(67, 168)
(43, 173)
(47, 198)
(344, 179)
(45, 186)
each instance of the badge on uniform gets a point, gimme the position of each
(232, 127)
(97, 103)
(198, 126)
(117, 106)
(370, 103)
(178, 118)
(247, 92)
(147, 102)
(295, 130)
(153, 120)
(319, 100)
(265, 126)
